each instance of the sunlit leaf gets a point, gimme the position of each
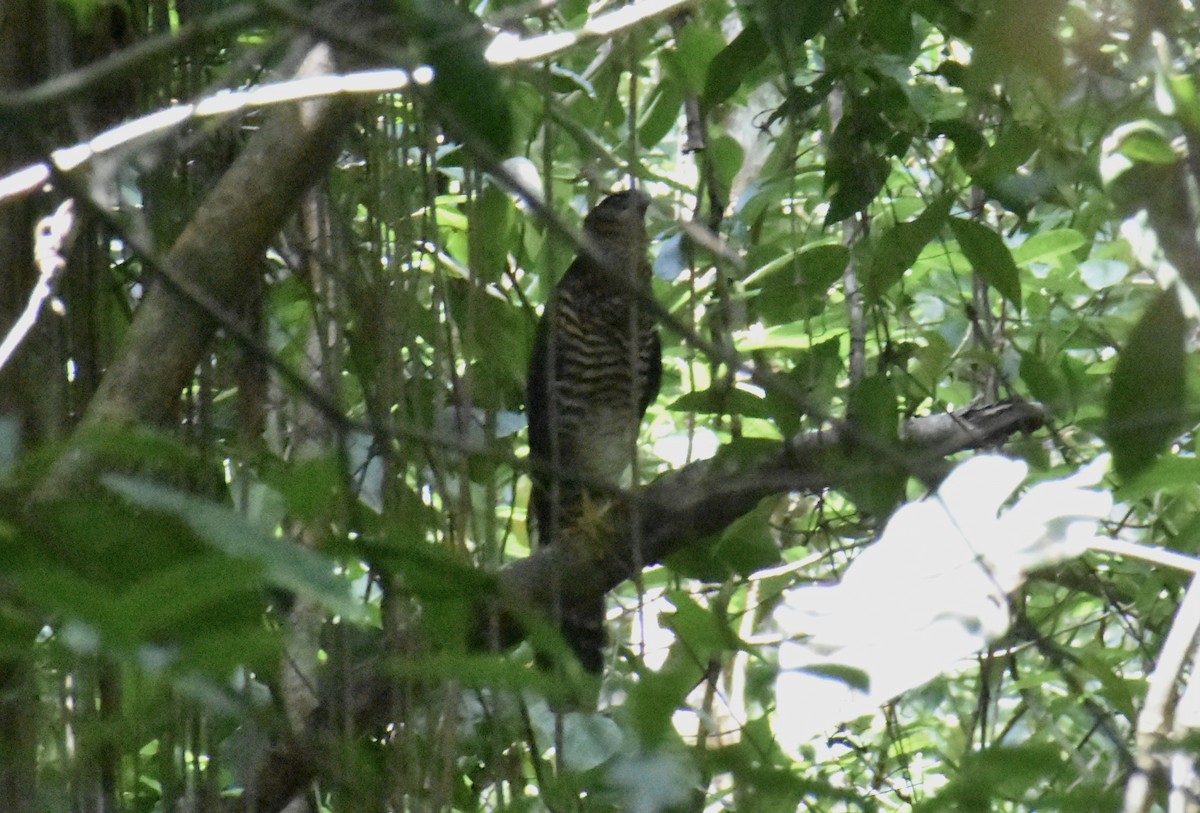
(695, 48)
(1045, 246)
(698, 627)
(654, 698)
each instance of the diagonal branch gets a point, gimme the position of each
(684, 506)
(210, 267)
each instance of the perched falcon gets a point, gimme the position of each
(596, 366)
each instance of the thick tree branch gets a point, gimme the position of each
(705, 497)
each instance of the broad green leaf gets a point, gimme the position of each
(722, 401)
(695, 48)
(872, 408)
(969, 145)
(193, 594)
(748, 545)
(1020, 191)
(730, 68)
(284, 563)
(662, 113)
(488, 227)
(795, 21)
(890, 23)
(854, 678)
(1000, 773)
(1147, 401)
(703, 633)
(59, 591)
(990, 258)
(466, 89)
(1185, 100)
(1145, 142)
(727, 156)
(1045, 246)
(308, 487)
(815, 269)
(853, 183)
(899, 248)
(1012, 148)
(874, 479)
(1167, 474)
(796, 336)
(654, 698)
(1044, 384)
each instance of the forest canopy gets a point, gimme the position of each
(908, 524)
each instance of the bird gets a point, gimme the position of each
(595, 368)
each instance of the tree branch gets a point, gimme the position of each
(684, 506)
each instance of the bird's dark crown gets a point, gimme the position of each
(617, 211)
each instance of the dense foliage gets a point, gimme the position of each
(863, 212)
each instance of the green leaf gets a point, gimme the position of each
(284, 564)
(890, 23)
(722, 401)
(989, 257)
(875, 479)
(695, 48)
(1185, 100)
(1043, 383)
(727, 156)
(853, 184)
(1000, 773)
(1045, 246)
(899, 248)
(704, 634)
(1167, 475)
(1145, 142)
(748, 545)
(795, 21)
(662, 113)
(814, 268)
(307, 487)
(466, 89)
(1147, 401)
(194, 593)
(854, 678)
(730, 68)
(969, 145)
(489, 233)
(794, 336)
(1014, 146)
(654, 698)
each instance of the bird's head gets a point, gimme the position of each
(615, 230)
